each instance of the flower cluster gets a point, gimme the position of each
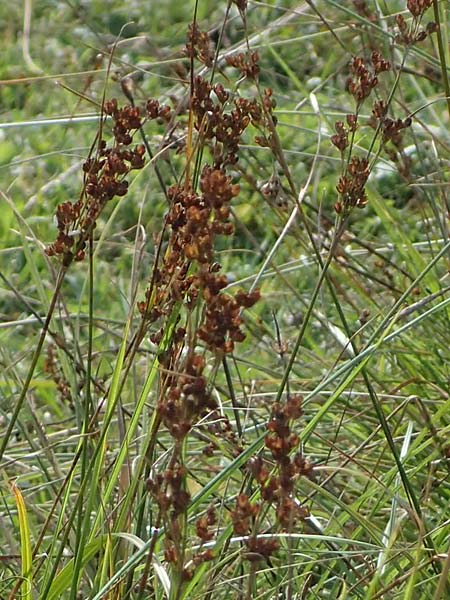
(221, 128)
(276, 480)
(244, 518)
(221, 328)
(187, 398)
(199, 45)
(168, 491)
(187, 284)
(205, 523)
(104, 178)
(247, 63)
(418, 7)
(244, 514)
(195, 220)
(410, 35)
(168, 488)
(391, 134)
(341, 138)
(392, 130)
(281, 441)
(67, 217)
(363, 79)
(351, 186)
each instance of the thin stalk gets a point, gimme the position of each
(442, 53)
(84, 512)
(34, 361)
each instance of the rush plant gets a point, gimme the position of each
(224, 319)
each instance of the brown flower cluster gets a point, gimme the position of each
(155, 110)
(363, 79)
(67, 216)
(351, 186)
(244, 518)
(204, 525)
(341, 138)
(247, 63)
(392, 130)
(380, 64)
(199, 45)
(408, 35)
(418, 7)
(276, 479)
(196, 219)
(187, 398)
(277, 485)
(222, 129)
(221, 328)
(169, 493)
(391, 134)
(187, 283)
(105, 177)
(244, 514)
(168, 489)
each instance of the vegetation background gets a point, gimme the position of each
(314, 460)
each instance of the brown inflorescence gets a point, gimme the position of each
(392, 129)
(418, 7)
(351, 186)
(247, 63)
(205, 523)
(281, 441)
(380, 64)
(188, 278)
(104, 177)
(276, 479)
(199, 45)
(410, 34)
(363, 79)
(244, 514)
(341, 138)
(221, 128)
(391, 135)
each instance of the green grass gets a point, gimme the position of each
(354, 313)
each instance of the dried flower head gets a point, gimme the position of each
(247, 63)
(418, 7)
(104, 178)
(199, 45)
(351, 186)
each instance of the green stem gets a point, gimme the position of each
(441, 47)
(37, 352)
